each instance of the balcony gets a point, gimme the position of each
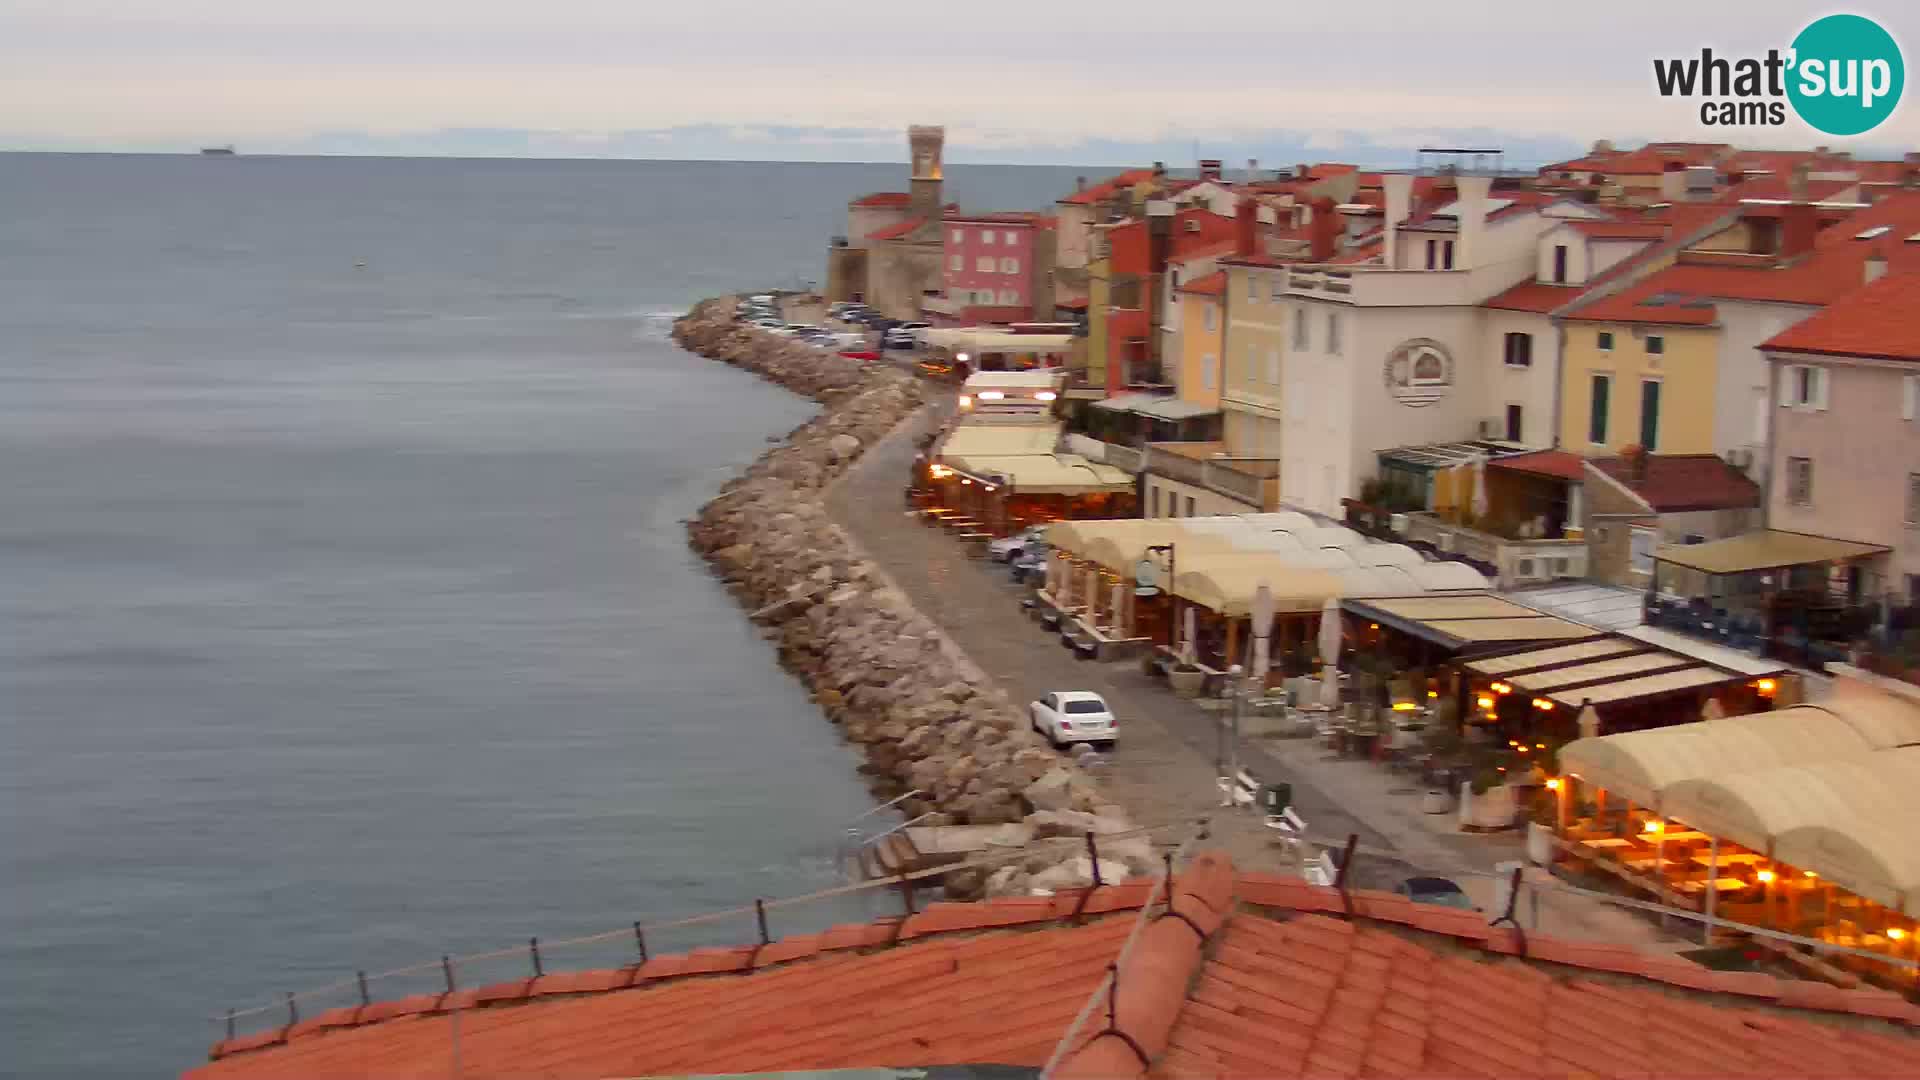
(1515, 562)
(1253, 481)
(1126, 458)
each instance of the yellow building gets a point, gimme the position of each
(1253, 358)
(1099, 306)
(1202, 330)
(1638, 383)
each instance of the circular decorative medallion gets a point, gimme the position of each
(1419, 372)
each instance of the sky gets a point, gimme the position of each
(1027, 81)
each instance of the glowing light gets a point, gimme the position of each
(991, 395)
(1522, 749)
(1764, 876)
(1544, 706)
(1433, 693)
(1541, 745)
(1501, 688)
(966, 401)
(939, 472)
(960, 357)
(1045, 395)
(1653, 827)
(1765, 686)
(1553, 783)
(1485, 702)
(966, 482)
(1373, 626)
(1404, 706)
(1894, 933)
(1809, 873)
(989, 487)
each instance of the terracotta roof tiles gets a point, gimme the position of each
(1877, 321)
(1534, 296)
(897, 229)
(1677, 483)
(1244, 976)
(897, 199)
(1214, 284)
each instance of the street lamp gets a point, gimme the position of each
(1173, 602)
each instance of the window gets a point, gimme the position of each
(1189, 506)
(1300, 327)
(1253, 288)
(1640, 545)
(1009, 297)
(1446, 256)
(1153, 502)
(1559, 264)
(1007, 238)
(1085, 707)
(986, 237)
(984, 264)
(1433, 250)
(1606, 341)
(956, 262)
(1252, 373)
(1910, 397)
(1800, 481)
(1209, 317)
(1207, 364)
(1333, 333)
(1913, 498)
(1273, 366)
(956, 236)
(1650, 414)
(1519, 350)
(1803, 386)
(1009, 266)
(1597, 418)
(1656, 345)
(1279, 287)
(1514, 429)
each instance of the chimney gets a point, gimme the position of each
(1469, 211)
(1797, 182)
(1079, 184)
(1399, 192)
(1798, 223)
(1245, 215)
(1159, 169)
(1673, 181)
(1209, 168)
(1253, 170)
(1876, 265)
(1300, 171)
(1325, 232)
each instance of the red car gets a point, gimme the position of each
(861, 354)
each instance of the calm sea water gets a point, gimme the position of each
(346, 617)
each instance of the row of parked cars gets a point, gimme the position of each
(763, 311)
(894, 333)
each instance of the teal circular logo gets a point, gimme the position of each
(1847, 74)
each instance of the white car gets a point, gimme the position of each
(1007, 548)
(1071, 716)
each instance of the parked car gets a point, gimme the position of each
(1007, 547)
(1074, 716)
(1435, 890)
(1032, 561)
(899, 339)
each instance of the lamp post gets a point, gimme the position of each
(1173, 602)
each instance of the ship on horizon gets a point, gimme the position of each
(218, 151)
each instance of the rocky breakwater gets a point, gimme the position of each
(924, 716)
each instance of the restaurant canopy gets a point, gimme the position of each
(1466, 620)
(1764, 549)
(1612, 670)
(969, 440)
(1043, 474)
(1642, 765)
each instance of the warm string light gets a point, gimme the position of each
(1553, 783)
(1653, 827)
(1765, 877)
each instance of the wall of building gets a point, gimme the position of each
(846, 274)
(1200, 339)
(1862, 451)
(1687, 370)
(1075, 228)
(1002, 267)
(1253, 361)
(864, 221)
(1743, 399)
(899, 273)
(1162, 492)
(1608, 518)
(1099, 306)
(1531, 387)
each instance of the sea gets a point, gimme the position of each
(346, 615)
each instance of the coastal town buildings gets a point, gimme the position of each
(999, 269)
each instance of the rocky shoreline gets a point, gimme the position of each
(925, 718)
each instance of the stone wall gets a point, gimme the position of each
(922, 714)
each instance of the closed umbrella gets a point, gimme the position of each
(1262, 627)
(1712, 710)
(1188, 631)
(1589, 722)
(1330, 652)
(1480, 487)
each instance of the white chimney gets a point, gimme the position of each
(1253, 170)
(1876, 267)
(1470, 210)
(1399, 192)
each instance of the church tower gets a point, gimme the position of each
(927, 142)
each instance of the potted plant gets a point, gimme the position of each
(1491, 805)
(1186, 678)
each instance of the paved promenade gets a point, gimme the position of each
(1163, 769)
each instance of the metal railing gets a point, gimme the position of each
(628, 946)
(1126, 458)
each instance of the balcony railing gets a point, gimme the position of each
(1186, 470)
(1254, 481)
(1515, 562)
(1126, 458)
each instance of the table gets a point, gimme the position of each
(1735, 858)
(1719, 885)
(1608, 842)
(1645, 864)
(1679, 837)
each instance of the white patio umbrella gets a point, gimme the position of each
(1589, 721)
(1116, 614)
(1712, 710)
(1262, 612)
(1186, 646)
(1480, 506)
(1330, 652)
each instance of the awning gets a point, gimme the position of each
(1647, 686)
(1045, 474)
(1229, 590)
(1125, 402)
(1642, 765)
(1550, 657)
(1392, 555)
(1448, 576)
(1613, 671)
(1766, 549)
(1174, 409)
(1459, 621)
(969, 440)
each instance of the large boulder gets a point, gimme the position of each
(1053, 791)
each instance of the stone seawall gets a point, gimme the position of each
(924, 716)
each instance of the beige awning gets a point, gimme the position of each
(1044, 474)
(1229, 590)
(1881, 720)
(1613, 669)
(1552, 656)
(1766, 549)
(969, 440)
(1464, 619)
(1667, 682)
(1642, 765)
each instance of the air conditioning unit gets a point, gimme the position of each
(1740, 459)
(1398, 523)
(1523, 569)
(1492, 428)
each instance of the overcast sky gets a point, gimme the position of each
(1013, 80)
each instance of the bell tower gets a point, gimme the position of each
(927, 142)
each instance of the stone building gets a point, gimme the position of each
(893, 255)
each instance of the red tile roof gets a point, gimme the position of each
(1002, 314)
(897, 199)
(1246, 975)
(1007, 217)
(1078, 303)
(1534, 296)
(1109, 187)
(1554, 463)
(1678, 483)
(1621, 230)
(1881, 321)
(1214, 284)
(1204, 251)
(897, 229)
